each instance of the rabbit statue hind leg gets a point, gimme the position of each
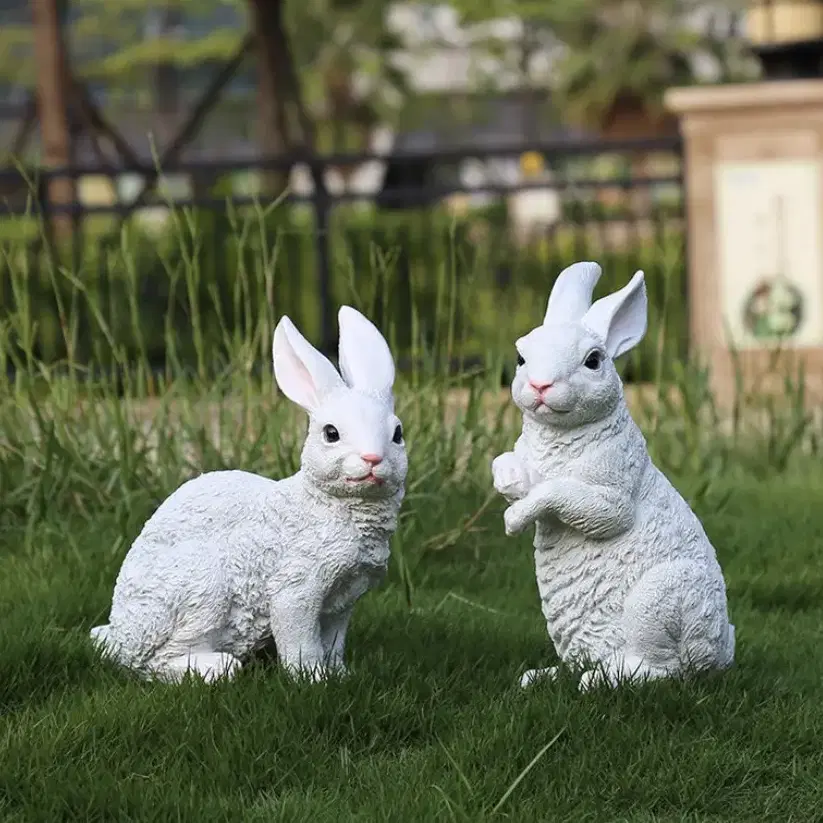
(175, 623)
(674, 621)
(166, 667)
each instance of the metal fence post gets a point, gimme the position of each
(322, 214)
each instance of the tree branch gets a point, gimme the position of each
(193, 123)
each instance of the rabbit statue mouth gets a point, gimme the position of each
(544, 411)
(367, 479)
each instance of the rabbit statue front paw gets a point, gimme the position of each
(510, 478)
(514, 520)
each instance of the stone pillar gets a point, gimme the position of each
(754, 177)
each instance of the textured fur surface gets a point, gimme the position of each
(232, 561)
(629, 583)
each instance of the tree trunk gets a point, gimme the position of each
(273, 127)
(50, 53)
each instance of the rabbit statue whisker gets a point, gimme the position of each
(233, 562)
(629, 583)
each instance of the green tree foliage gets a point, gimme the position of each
(16, 55)
(616, 49)
(112, 41)
(636, 50)
(340, 48)
(107, 40)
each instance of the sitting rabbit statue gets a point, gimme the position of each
(629, 583)
(233, 561)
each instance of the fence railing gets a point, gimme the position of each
(553, 152)
(504, 219)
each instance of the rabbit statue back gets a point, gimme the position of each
(232, 561)
(629, 583)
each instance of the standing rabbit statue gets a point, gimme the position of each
(629, 582)
(233, 561)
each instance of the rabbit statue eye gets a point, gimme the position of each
(593, 360)
(521, 361)
(398, 435)
(330, 434)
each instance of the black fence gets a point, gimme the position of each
(488, 227)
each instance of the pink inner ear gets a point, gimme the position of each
(305, 375)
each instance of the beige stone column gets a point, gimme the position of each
(754, 184)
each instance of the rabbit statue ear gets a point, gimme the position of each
(571, 296)
(303, 374)
(366, 362)
(620, 318)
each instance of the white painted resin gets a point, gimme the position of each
(629, 582)
(232, 562)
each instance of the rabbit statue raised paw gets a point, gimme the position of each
(629, 582)
(232, 561)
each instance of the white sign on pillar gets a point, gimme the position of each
(769, 253)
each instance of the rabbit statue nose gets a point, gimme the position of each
(539, 387)
(371, 459)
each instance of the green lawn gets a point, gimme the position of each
(431, 725)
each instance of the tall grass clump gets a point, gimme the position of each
(434, 279)
(106, 425)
